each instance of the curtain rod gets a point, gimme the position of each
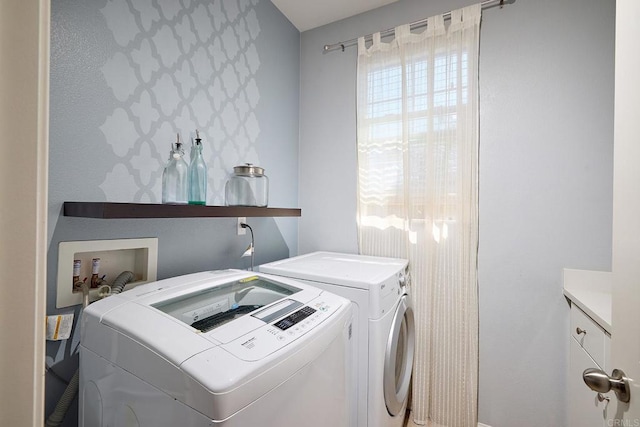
(414, 25)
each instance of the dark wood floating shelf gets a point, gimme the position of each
(107, 210)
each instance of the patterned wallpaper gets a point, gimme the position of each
(179, 66)
(126, 75)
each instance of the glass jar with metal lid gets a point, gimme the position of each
(248, 186)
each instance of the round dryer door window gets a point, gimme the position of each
(398, 361)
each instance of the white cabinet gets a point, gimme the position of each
(589, 347)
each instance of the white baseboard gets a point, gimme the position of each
(483, 425)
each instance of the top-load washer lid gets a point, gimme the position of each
(358, 271)
(209, 308)
(178, 320)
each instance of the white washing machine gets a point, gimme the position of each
(383, 326)
(224, 348)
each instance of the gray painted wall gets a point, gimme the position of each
(126, 75)
(546, 168)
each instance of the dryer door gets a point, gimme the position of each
(398, 361)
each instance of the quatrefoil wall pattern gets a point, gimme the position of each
(180, 66)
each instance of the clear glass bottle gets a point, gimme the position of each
(175, 179)
(197, 175)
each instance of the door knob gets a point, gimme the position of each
(600, 382)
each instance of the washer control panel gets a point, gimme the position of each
(294, 318)
(275, 335)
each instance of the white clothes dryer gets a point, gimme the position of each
(384, 333)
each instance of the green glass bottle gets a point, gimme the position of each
(197, 175)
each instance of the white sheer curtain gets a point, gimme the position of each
(418, 196)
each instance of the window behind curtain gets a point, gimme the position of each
(382, 160)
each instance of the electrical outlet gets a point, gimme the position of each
(241, 231)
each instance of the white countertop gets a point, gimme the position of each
(591, 291)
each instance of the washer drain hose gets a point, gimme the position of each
(121, 281)
(55, 419)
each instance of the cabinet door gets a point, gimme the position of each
(584, 408)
